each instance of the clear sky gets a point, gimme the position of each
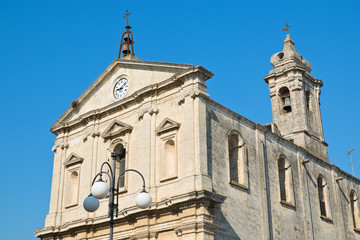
(51, 51)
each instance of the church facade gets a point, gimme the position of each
(212, 173)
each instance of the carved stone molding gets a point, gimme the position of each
(123, 213)
(181, 99)
(168, 202)
(167, 125)
(198, 93)
(95, 133)
(85, 137)
(116, 128)
(64, 145)
(154, 234)
(73, 159)
(178, 232)
(54, 148)
(142, 113)
(146, 109)
(153, 110)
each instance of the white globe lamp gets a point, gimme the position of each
(100, 189)
(143, 200)
(91, 204)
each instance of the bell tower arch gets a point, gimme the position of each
(295, 100)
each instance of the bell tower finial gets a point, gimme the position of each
(287, 28)
(127, 42)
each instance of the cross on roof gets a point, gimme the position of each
(126, 16)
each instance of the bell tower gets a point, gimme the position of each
(127, 41)
(295, 100)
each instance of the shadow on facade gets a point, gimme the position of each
(224, 230)
(210, 117)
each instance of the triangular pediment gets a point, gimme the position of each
(73, 159)
(116, 128)
(167, 125)
(143, 76)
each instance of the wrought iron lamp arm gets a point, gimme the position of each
(130, 170)
(100, 174)
(117, 187)
(108, 164)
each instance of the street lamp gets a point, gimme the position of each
(100, 190)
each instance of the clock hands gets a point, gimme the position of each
(120, 88)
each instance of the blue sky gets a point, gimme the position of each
(51, 51)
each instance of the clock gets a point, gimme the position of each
(121, 88)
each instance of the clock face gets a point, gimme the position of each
(121, 88)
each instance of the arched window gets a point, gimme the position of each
(285, 101)
(233, 157)
(354, 204)
(285, 181)
(120, 163)
(324, 200)
(237, 160)
(170, 162)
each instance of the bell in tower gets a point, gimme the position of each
(287, 105)
(126, 50)
(285, 99)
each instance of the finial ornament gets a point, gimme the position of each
(126, 16)
(287, 28)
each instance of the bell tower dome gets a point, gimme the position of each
(295, 100)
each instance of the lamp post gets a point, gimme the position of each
(100, 190)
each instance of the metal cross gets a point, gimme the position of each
(287, 27)
(126, 16)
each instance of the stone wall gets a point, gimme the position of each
(257, 212)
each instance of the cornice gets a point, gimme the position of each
(166, 65)
(153, 63)
(344, 174)
(274, 74)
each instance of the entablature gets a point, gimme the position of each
(275, 73)
(176, 203)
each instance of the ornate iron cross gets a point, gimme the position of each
(126, 16)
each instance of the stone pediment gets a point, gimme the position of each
(167, 125)
(143, 77)
(73, 159)
(116, 128)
